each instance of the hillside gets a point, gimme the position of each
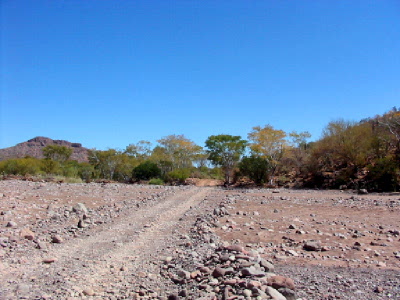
(33, 148)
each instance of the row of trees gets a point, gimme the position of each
(363, 154)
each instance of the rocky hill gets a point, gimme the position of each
(33, 148)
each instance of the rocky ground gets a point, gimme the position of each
(115, 241)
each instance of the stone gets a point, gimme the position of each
(279, 281)
(312, 246)
(204, 270)
(292, 253)
(88, 292)
(288, 293)
(27, 234)
(236, 248)
(23, 288)
(274, 294)
(80, 208)
(183, 293)
(268, 267)
(253, 284)
(11, 224)
(218, 272)
(167, 260)
(381, 264)
(224, 257)
(252, 271)
(362, 192)
(41, 245)
(217, 211)
(57, 239)
(183, 274)
(232, 281)
(246, 293)
(4, 241)
(49, 260)
(82, 224)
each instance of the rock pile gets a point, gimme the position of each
(223, 271)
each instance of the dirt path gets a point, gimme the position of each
(112, 258)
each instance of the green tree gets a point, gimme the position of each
(57, 153)
(146, 170)
(225, 151)
(256, 168)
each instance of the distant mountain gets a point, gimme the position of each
(34, 147)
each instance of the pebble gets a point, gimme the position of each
(49, 260)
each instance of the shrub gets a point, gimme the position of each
(383, 175)
(256, 168)
(156, 181)
(21, 166)
(146, 171)
(86, 171)
(51, 166)
(178, 176)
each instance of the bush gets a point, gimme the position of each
(256, 168)
(21, 166)
(70, 169)
(51, 167)
(178, 176)
(86, 171)
(383, 175)
(156, 181)
(146, 171)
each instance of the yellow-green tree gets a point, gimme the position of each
(57, 153)
(141, 150)
(269, 143)
(297, 154)
(179, 150)
(345, 143)
(105, 162)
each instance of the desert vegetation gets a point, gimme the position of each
(361, 154)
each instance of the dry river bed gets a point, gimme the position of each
(116, 241)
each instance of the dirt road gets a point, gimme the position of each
(108, 259)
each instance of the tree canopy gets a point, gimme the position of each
(226, 150)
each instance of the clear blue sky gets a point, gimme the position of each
(111, 73)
